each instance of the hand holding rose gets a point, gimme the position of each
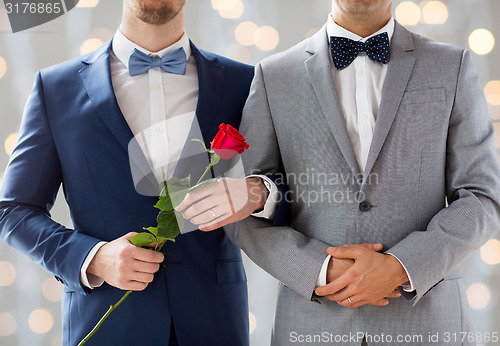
(230, 199)
(227, 201)
(124, 265)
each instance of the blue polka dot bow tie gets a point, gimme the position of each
(173, 62)
(345, 50)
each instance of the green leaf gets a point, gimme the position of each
(173, 193)
(143, 239)
(153, 230)
(172, 200)
(203, 183)
(168, 225)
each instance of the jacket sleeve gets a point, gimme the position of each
(27, 194)
(285, 253)
(472, 187)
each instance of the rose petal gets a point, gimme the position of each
(228, 142)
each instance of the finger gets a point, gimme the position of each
(134, 286)
(217, 223)
(351, 252)
(148, 256)
(142, 277)
(342, 295)
(394, 294)
(333, 287)
(347, 304)
(194, 196)
(373, 246)
(145, 267)
(207, 216)
(370, 246)
(381, 302)
(355, 304)
(200, 207)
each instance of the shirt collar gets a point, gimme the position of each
(122, 47)
(333, 29)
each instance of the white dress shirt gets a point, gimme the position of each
(359, 89)
(159, 108)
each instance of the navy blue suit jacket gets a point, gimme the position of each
(73, 133)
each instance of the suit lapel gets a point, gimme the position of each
(96, 77)
(398, 73)
(211, 87)
(319, 69)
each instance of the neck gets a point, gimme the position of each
(361, 24)
(152, 37)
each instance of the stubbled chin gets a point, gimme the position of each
(156, 16)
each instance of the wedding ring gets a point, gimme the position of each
(213, 213)
(350, 301)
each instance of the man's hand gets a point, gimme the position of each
(372, 278)
(338, 266)
(227, 201)
(124, 265)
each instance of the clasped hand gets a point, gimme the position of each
(360, 275)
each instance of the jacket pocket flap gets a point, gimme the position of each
(424, 96)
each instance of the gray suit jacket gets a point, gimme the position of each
(432, 145)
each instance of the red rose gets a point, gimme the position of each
(228, 142)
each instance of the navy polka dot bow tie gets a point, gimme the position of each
(345, 50)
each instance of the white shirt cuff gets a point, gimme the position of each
(89, 280)
(407, 287)
(322, 273)
(272, 198)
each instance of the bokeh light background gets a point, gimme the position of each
(248, 31)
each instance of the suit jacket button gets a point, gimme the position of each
(164, 264)
(364, 206)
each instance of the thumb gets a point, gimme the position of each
(129, 235)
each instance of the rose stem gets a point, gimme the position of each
(204, 173)
(106, 315)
